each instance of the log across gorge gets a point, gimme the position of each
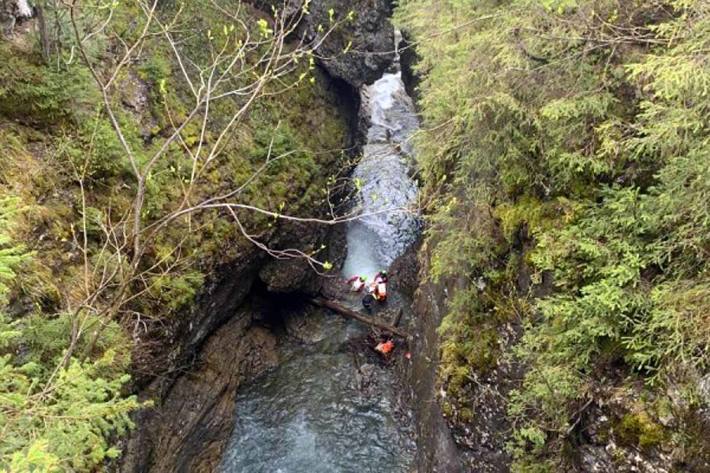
(333, 403)
(356, 315)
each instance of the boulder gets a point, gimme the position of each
(284, 275)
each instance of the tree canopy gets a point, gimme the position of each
(571, 138)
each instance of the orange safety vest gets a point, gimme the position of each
(385, 347)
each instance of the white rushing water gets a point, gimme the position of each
(324, 410)
(387, 193)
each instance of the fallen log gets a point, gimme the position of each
(342, 310)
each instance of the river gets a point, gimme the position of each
(324, 408)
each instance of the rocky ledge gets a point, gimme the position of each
(190, 428)
(360, 49)
(205, 359)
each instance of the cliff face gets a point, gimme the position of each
(357, 52)
(210, 354)
(218, 346)
(187, 339)
(436, 449)
(569, 340)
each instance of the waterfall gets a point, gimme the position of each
(323, 409)
(387, 194)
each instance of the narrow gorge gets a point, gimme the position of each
(309, 393)
(190, 191)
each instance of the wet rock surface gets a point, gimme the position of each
(409, 60)
(360, 49)
(436, 450)
(186, 432)
(306, 326)
(368, 38)
(404, 272)
(283, 274)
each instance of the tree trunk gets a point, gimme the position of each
(43, 34)
(334, 306)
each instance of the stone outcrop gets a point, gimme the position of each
(436, 449)
(294, 274)
(217, 347)
(189, 429)
(12, 11)
(360, 49)
(368, 38)
(408, 60)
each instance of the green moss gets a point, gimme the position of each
(466, 414)
(537, 215)
(447, 409)
(469, 344)
(155, 68)
(640, 430)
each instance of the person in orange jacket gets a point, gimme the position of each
(385, 347)
(379, 290)
(379, 287)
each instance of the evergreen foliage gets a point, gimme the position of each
(67, 428)
(571, 137)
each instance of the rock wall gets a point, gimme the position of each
(409, 59)
(210, 354)
(436, 450)
(188, 429)
(360, 49)
(218, 346)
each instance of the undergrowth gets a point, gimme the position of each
(569, 139)
(62, 161)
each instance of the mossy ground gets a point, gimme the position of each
(61, 157)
